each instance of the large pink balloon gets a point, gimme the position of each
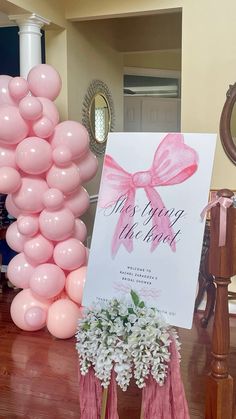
(34, 155)
(18, 88)
(88, 166)
(48, 280)
(80, 230)
(75, 284)
(56, 225)
(78, 202)
(12, 209)
(30, 108)
(19, 271)
(28, 225)
(22, 302)
(13, 127)
(7, 156)
(73, 135)
(14, 238)
(44, 81)
(66, 179)
(29, 198)
(35, 317)
(63, 318)
(69, 254)
(38, 249)
(53, 199)
(10, 180)
(49, 110)
(5, 98)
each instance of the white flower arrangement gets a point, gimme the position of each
(131, 338)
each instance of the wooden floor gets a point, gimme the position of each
(38, 373)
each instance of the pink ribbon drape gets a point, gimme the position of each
(224, 204)
(173, 163)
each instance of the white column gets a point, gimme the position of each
(30, 40)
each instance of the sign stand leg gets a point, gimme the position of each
(104, 403)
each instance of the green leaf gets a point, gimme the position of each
(130, 310)
(141, 304)
(135, 298)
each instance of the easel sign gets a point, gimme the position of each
(148, 233)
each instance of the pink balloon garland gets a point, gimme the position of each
(43, 163)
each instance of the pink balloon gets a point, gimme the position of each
(69, 254)
(75, 284)
(56, 225)
(43, 127)
(53, 199)
(48, 280)
(7, 156)
(34, 155)
(5, 98)
(49, 110)
(14, 238)
(78, 202)
(12, 209)
(44, 81)
(29, 197)
(28, 225)
(63, 318)
(10, 180)
(66, 179)
(19, 271)
(80, 230)
(18, 88)
(13, 127)
(38, 249)
(88, 166)
(36, 317)
(30, 108)
(21, 303)
(73, 135)
(62, 155)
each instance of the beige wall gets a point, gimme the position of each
(162, 60)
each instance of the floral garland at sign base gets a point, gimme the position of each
(118, 341)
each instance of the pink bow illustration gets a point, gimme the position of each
(173, 163)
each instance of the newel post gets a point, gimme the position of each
(222, 265)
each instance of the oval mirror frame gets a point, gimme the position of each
(97, 87)
(225, 124)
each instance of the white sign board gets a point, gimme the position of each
(148, 232)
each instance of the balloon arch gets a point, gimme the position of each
(43, 164)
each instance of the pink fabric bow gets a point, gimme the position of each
(173, 163)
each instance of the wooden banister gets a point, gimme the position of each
(222, 265)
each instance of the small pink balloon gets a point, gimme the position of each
(38, 249)
(69, 254)
(48, 280)
(57, 225)
(43, 127)
(14, 238)
(44, 81)
(66, 179)
(80, 230)
(62, 320)
(75, 284)
(18, 88)
(19, 271)
(12, 209)
(30, 108)
(28, 225)
(88, 166)
(7, 156)
(53, 199)
(29, 197)
(35, 317)
(13, 127)
(21, 303)
(73, 135)
(5, 97)
(49, 110)
(78, 202)
(10, 180)
(34, 155)
(62, 155)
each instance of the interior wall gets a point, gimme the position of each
(161, 60)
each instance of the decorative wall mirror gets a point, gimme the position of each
(228, 124)
(98, 115)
